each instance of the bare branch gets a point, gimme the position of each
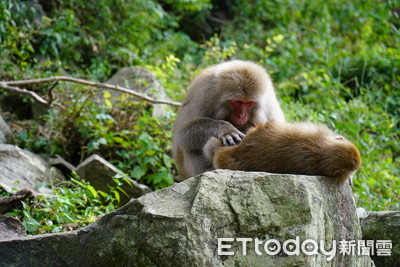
(50, 92)
(5, 86)
(99, 85)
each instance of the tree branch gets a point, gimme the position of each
(8, 86)
(5, 86)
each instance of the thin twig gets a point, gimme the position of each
(50, 92)
(39, 99)
(99, 85)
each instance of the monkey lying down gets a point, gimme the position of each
(294, 148)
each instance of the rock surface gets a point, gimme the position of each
(61, 164)
(180, 225)
(21, 169)
(6, 136)
(100, 173)
(383, 225)
(143, 81)
(10, 228)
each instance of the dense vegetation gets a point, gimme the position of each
(333, 61)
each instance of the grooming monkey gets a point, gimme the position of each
(223, 101)
(295, 148)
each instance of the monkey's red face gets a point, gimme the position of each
(240, 111)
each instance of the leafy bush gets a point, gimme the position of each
(125, 134)
(74, 204)
(138, 144)
(93, 37)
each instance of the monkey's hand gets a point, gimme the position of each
(232, 138)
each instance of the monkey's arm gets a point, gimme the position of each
(221, 157)
(211, 147)
(195, 134)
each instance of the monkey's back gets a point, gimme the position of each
(295, 148)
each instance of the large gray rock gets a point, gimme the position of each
(62, 165)
(100, 174)
(6, 136)
(383, 225)
(143, 81)
(10, 228)
(21, 169)
(180, 225)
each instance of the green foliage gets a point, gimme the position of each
(189, 5)
(3, 193)
(140, 148)
(28, 134)
(75, 203)
(14, 40)
(95, 37)
(217, 52)
(126, 134)
(168, 74)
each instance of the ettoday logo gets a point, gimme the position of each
(273, 247)
(308, 247)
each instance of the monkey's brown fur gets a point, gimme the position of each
(295, 148)
(206, 111)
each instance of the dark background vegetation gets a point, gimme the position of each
(333, 61)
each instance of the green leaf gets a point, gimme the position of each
(119, 140)
(103, 194)
(116, 195)
(167, 161)
(13, 213)
(106, 94)
(169, 178)
(138, 172)
(108, 103)
(123, 191)
(78, 182)
(57, 229)
(156, 177)
(93, 191)
(40, 185)
(30, 224)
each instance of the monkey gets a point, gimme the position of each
(293, 148)
(223, 101)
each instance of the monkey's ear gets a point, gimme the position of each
(339, 137)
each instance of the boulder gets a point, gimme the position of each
(100, 174)
(10, 228)
(6, 136)
(21, 169)
(183, 225)
(383, 225)
(143, 81)
(62, 165)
